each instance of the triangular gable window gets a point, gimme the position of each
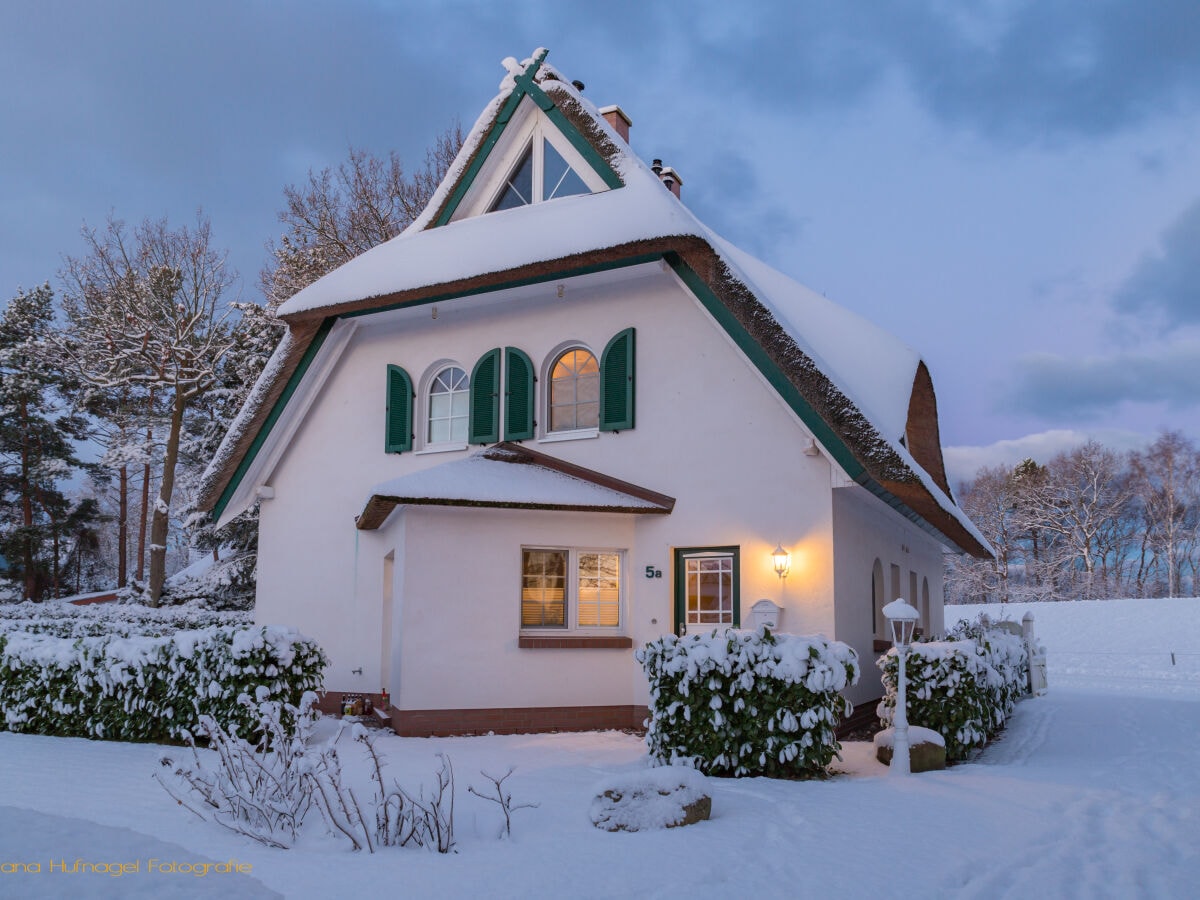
(558, 178)
(542, 174)
(518, 190)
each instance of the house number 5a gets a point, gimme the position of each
(652, 572)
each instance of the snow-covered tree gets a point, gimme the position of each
(1084, 502)
(148, 310)
(230, 581)
(990, 500)
(37, 444)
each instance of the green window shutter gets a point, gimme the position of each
(399, 414)
(485, 399)
(518, 395)
(617, 383)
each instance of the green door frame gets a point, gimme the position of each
(680, 586)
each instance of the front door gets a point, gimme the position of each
(706, 589)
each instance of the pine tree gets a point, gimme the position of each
(37, 444)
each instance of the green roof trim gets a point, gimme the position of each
(526, 87)
(276, 411)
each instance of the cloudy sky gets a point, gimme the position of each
(1010, 186)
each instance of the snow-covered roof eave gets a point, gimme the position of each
(510, 476)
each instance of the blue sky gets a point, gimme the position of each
(1013, 188)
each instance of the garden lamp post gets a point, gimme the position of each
(903, 621)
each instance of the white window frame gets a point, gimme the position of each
(424, 408)
(527, 124)
(571, 595)
(540, 133)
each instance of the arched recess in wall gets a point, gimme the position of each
(877, 601)
(926, 622)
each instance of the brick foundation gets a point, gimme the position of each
(515, 720)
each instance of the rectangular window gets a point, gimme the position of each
(565, 588)
(543, 588)
(599, 590)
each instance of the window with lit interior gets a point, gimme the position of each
(574, 398)
(566, 588)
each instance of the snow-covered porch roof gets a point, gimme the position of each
(509, 476)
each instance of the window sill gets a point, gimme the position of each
(580, 435)
(882, 646)
(575, 642)
(439, 448)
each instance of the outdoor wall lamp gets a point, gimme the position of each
(783, 561)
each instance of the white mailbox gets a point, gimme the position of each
(764, 612)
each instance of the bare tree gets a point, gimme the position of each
(1079, 500)
(340, 213)
(148, 311)
(1165, 479)
(989, 500)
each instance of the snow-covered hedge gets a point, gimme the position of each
(112, 619)
(150, 688)
(747, 702)
(965, 688)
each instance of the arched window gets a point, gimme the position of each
(574, 391)
(877, 601)
(448, 407)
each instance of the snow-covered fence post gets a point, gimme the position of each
(1037, 657)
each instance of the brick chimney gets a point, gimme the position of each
(667, 176)
(615, 116)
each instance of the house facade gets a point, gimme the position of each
(558, 417)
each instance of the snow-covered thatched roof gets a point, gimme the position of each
(866, 396)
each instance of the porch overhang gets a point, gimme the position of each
(509, 476)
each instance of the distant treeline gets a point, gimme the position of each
(1089, 523)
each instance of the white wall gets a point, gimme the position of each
(866, 530)
(709, 432)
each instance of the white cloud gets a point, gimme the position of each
(962, 463)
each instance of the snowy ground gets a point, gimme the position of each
(1094, 791)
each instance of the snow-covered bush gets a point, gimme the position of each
(1007, 660)
(262, 790)
(944, 693)
(747, 702)
(964, 689)
(150, 688)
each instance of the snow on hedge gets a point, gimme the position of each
(747, 702)
(125, 685)
(965, 689)
(124, 619)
